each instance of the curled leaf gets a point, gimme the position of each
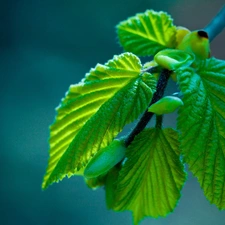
(173, 59)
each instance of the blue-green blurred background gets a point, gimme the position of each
(44, 47)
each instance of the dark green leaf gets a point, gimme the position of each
(202, 124)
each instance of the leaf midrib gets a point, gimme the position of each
(156, 42)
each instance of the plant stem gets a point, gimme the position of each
(159, 119)
(146, 117)
(216, 25)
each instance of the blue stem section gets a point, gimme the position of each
(216, 25)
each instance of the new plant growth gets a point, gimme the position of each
(144, 171)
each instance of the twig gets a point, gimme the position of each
(216, 25)
(161, 85)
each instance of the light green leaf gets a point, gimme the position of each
(94, 112)
(167, 104)
(202, 124)
(150, 182)
(147, 33)
(105, 159)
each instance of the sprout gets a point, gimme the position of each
(165, 105)
(196, 42)
(105, 159)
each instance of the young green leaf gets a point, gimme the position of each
(167, 104)
(105, 159)
(94, 112)
(147, 33)
(202, 124)
(152, 177)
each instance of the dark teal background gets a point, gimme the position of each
(44, 47)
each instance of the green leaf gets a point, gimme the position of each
(147, 33)
(150, 182)
(202, 124)
(167, 104)
(94, 112)
(105, 159)
(110, 186)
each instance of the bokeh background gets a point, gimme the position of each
(44, 47)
